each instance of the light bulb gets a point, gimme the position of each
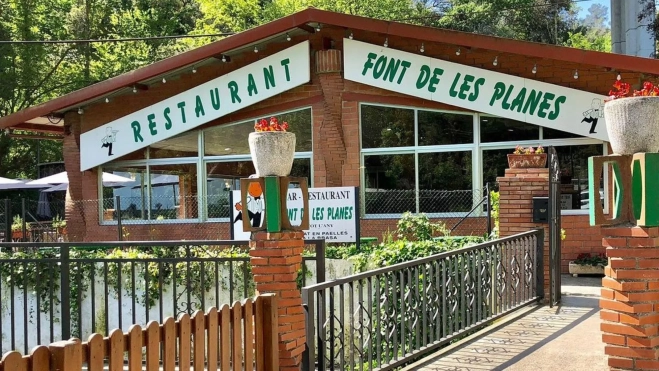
(535, 68)
(576, 74)
(224, 58)
(256, 49)
(496, 61)
(457, 52)
(134, 89)
(164, 81)
(194, 70)
(386, 42)
(107, 100)
(288, 37)
(318, 28)
(80, 111)
(350, 36)
(619, 77)
(423, 49)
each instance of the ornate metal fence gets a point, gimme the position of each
(387, 317)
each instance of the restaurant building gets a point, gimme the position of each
(400, 111)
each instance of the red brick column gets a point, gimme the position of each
(276, 259)
(516, 192)
(630, 298)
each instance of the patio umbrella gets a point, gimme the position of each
(43, 207)
(59, 187)
(6, 183)
(109, 180)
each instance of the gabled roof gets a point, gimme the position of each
(304, 21)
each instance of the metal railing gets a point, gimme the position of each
(388, 317)
(53, 291)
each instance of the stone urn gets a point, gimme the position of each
(272, 152)
(525, 161)
(633, 124)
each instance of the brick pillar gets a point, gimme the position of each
(516, 191)
(276, 259)
(75, 211)
(630, 298)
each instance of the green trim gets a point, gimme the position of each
(272, 204)
(591, 195)
(637, 189)
(619, 190)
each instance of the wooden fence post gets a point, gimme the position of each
(267, 333)
(66, 355)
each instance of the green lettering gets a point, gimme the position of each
(499, 89)
(424, 76)
(392, 69)
(532, 101)
(474, 95)
(285, 63)
(215, 99)
(380, 66)
(199, 107)
(434, 80)
(181, 105)
(136, 131)
(269, 77)
(544, 106)
(168, 124)
(152, 124)
(452, 92)
(466, 85)
(405, 65)
(518, 102)
(251, 85)
(553, 115)
(369, 63)
(505, 103)
(233, 87)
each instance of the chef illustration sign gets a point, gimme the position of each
(333, 212)
(477, 89)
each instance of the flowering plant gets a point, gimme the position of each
(519, 150)
(272, 125)
(621, 90)
(591, 259)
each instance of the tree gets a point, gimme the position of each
(593, 34)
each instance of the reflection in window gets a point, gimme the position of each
(132, 195)
(299, 123)
(384, 127)
(389, 184)
(436, 128)
(445, 182)
(183, 145)
(548, 133)
(495, 163)
(499, 129)
(573, 161)
(173, 191)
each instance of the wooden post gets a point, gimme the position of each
(66, 355)
(271, 333)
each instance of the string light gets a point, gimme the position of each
(386, 42)
(107, 100)
(288, 37)
(80, 111)
(256, 49)
(535, 69)
(350, 36)
(194, 70)
(457, 52)
(576, 74)
(423, 49)
(619, 77)
(318, 28)
(164, 81)
(134, 89)
(496, 61)
(224, 58)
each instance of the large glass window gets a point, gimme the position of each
(499, 129)
(132, 203)
(384, 127)
(184, 145)
(437, 128)
(173, 191)
(445, 182)
(389, 184)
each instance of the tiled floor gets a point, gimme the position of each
(566, 337)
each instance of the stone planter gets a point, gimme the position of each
(527, 161)
(577, 269)
(272, 152)
(633, 124)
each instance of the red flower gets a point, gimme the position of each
(271, 125)
(622, 89)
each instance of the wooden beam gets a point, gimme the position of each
(306, 27)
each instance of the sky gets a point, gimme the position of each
(584, 5)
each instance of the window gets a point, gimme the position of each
(384, 127)
(300, 124)
(499, 129)
(230, 139)
(173, 191)
(389, 184)
(437, 128)
(132, 202)
(445, 182)
(183, 145)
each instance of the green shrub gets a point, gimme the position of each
(419, 228)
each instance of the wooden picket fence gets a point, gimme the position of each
(241, 337)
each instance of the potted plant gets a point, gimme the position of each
(272, 148)
(527, 157)
(59, 224)
(632, 122)
(17, 227)
(588, 264)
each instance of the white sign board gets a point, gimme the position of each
(333, 213)
(204, 103)
(495, 93)
(566, 201)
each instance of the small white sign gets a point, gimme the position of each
(204, 103)
(333, 213)
(477, 89)
(566, 201)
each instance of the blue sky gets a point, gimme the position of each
(584, 5)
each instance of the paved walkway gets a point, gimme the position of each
(564, 338)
